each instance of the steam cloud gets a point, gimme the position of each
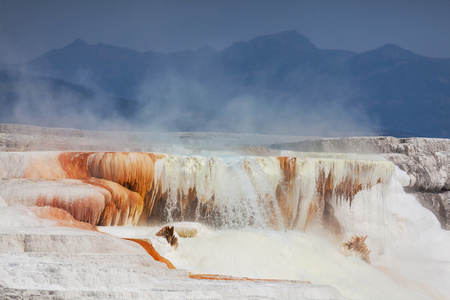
(187, 101)
(179, 103)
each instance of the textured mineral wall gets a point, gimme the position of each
(425, 160)
(127, 188)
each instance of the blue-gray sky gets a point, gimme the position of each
(30, 28)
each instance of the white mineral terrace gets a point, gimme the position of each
(284, 218)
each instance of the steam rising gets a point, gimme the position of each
(201, 96)
(186, 103)
(55, 103)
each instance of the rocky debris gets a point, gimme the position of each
(425, 160)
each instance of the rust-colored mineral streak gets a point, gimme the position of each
(150, 250)
(134, 171)
(130, 192)
(285, 189)
(125, 206)
(232, 278)
(61, 217)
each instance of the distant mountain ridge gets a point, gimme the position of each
(280, 78)
(35, 100)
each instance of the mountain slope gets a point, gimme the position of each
(44, 101)
(405, 88)
(279, 83)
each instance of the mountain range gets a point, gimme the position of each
(279, 83)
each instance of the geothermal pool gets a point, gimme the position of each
(281, 217)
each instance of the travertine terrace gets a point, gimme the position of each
(57, 186)
(127, 188)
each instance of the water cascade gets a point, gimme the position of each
(225, 192)
(288, 217)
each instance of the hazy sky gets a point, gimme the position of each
(30, 28)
